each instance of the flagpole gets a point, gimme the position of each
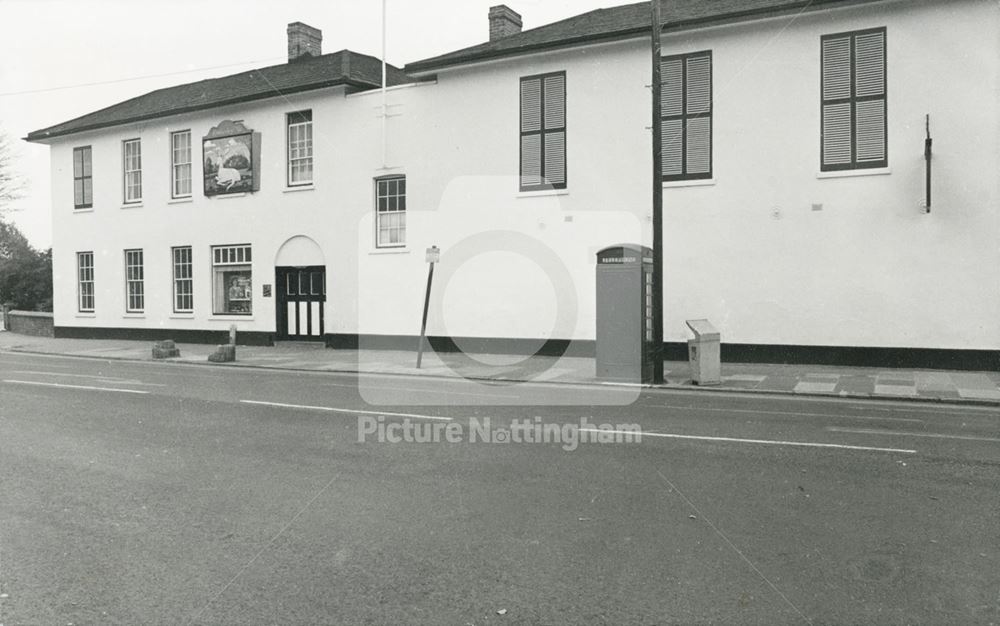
(385, 94)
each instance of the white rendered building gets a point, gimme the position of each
(796, 208)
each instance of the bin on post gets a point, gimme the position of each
(625, 314)
(704, 353)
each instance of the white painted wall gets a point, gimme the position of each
(747, 251)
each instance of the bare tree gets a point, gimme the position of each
(11, 182)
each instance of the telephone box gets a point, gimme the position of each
(625, 314)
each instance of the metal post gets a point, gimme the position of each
(385, 96)
(433, 255)
(656, 353)
(928, 156)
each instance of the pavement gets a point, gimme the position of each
(808, 380)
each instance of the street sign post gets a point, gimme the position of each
(433, 256)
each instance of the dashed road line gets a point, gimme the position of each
(769, 442)
(899, 433)
(328, 409)
(81, 387)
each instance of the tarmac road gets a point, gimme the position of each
(142, 493)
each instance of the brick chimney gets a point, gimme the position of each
(304, 40)
(504, 22)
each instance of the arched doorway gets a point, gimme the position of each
(300, 286)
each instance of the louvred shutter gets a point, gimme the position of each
(555, 130)
(837, 115)
(531, 121)
(870, 82)
(672, 103)
(699, 103)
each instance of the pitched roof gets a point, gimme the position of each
(619, 23)
(305, 74)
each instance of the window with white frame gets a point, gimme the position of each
(390, 212)
(300, 148)
(135, 300)
(183, 280)
(83, 181)
(232, 283)
(85, 281)
(132, 157)
(180, 163)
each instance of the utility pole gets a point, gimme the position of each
(656, 351)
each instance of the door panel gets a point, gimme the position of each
(301, 300)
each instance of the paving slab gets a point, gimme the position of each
(808, 386)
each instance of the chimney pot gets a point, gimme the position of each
(504, 22)
(304, 40)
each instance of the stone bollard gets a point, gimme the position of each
(165, 350)
(223, 354)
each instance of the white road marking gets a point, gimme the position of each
(801, 444)
(896, 433)
(359, 387)
(103, 379)
(794, 413)
(60, 386)
(346, 411)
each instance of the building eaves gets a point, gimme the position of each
(344, 68)
(618, 23)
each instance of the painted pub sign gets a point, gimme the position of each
(231, 154)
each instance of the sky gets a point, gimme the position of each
(65, 58)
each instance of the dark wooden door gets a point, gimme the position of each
(301, 298)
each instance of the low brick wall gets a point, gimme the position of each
(30, 323)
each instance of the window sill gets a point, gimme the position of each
(700, 182)
(296, 188)
(182, 316)
(184, 200)
(134, 316)
(134, 205)
(543, 194)
(882, 171)
(383, 251)
(87, 210)
(231, 318)
(86, 316)
(228, 196)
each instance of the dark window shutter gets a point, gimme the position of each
(531, 122)
(555, 102)
(854, 101)
(870, 82)
(686, 100)
(531, 105)
(837, 112)
(672, 94)
(555, 158)
(543, 132)
(673, 147)
(870, 65)
(699, 85)
(555, 127)
(531, 160)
